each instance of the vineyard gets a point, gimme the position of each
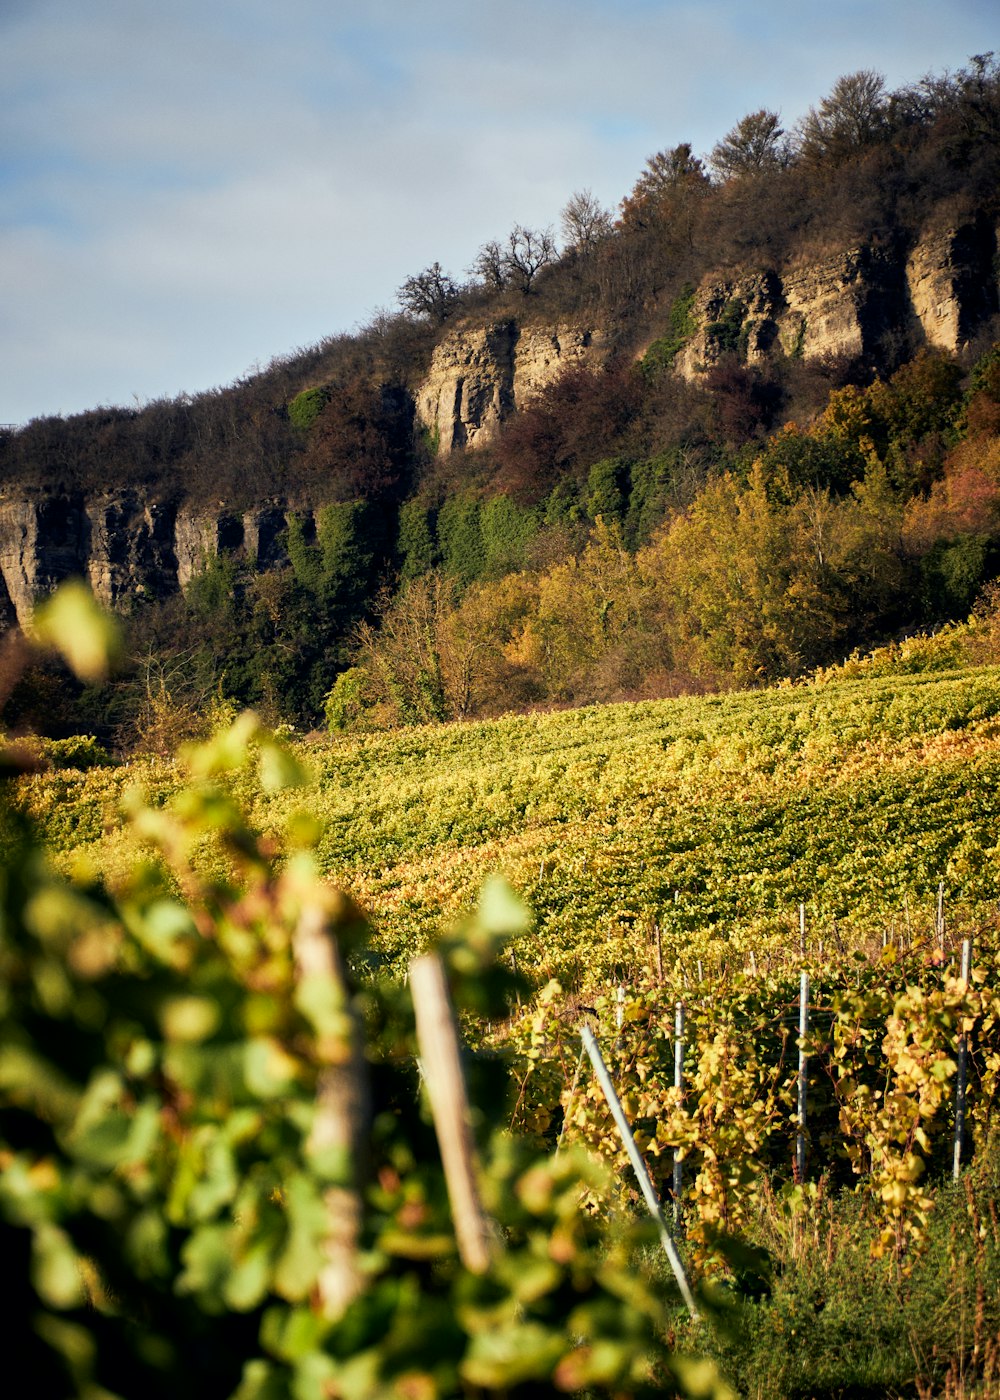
(699, 852)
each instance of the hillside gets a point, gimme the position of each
(711, 818)
(820, 302)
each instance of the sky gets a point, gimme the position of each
(190, 188)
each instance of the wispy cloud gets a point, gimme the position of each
(187, 189)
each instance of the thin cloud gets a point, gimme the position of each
(186, 190)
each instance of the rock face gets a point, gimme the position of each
(480, 376)
(879, 303)
(127, 548)
(950, 279)
(873, 303)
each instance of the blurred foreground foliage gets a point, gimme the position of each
(171, 1217)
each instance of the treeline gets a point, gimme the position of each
(884, 515)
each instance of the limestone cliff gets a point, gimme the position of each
(873, 302)
(479, 376)
(879, 302)
(127, 548)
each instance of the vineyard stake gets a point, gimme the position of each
(659, 953)
(800, 1136)
(940, 915)
(802, 929)
(638, 1166)
(437, 1038)
(678, 1085)
(963, 1052)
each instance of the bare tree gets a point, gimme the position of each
(517, 262)
(585, 221)
(756, 144)
(528, 251)
(430, 293)
(490, 266)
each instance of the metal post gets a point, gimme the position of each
(960, 1076)
(800, 1136)
(939, 921)
(802, 929)
(638, 1166)
(678, 1084)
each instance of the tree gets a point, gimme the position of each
(517, 262)
(666, 174)
(585, 222)
(430, 293)
(854, 115)
(755, 145)
(490, 266)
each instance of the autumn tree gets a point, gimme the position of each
(852, 116)
(667, 175)
(756, 145)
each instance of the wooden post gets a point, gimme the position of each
(342, 1117)
(437, 1038)
(962, 1070)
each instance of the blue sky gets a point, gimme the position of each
(189, 189)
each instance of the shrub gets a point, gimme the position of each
(78, 751)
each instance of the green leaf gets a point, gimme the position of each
(519, 1352)
(501, 910)
(300, 1263)
(207, 1256)
(73, 623)
(189, 1018)
(279, 769)
(55, 1268)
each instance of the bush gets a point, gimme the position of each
(78, 751)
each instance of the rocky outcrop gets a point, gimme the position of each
(949, 275)
(479, 376)
(42, 542)
(873, 303)
(852, 304)
(126, 547)
(199, 536)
